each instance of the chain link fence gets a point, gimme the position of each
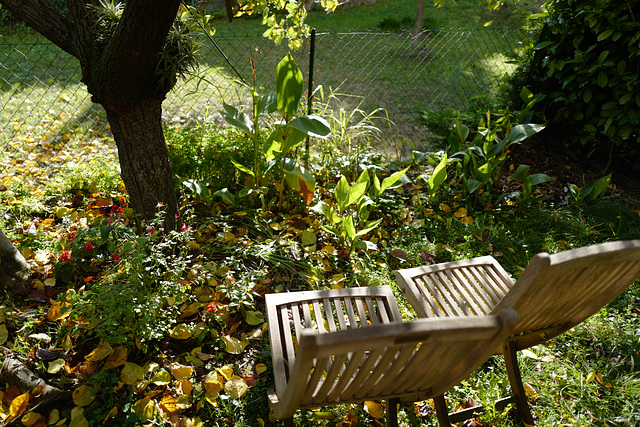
(43, 104)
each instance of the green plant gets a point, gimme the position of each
(348, 225)
(285, 136)
(589, 192)
(483, 158)
(137, 298)
(589, 54)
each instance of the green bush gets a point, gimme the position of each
(589, 64)
(204, 154)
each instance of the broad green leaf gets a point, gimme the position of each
(299, 173)
(308, 238)
(473, 185)
(237, 118)
(369, 228)
(268, 103)
(55, 366)
(273, 145)
(356, 192)
(313, 126)
(242, 168)
(389, 181)
(349, 229)
(438, 177)
(521, 173)
(226, 195)
(602, 79)
(342, 193)
(289, 87)
(539, 178)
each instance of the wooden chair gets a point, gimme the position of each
(350, 345)
(553, 294)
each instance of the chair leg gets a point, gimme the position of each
(515, 379)
(441, 411)
(288, 422)
(392, 412)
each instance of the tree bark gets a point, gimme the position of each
(144, 157)
(13, 266)
(121, 75)
(416, 35)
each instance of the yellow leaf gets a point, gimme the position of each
(4, 334)
(445, 208)
(111, 414)
(213, 383)
(18, 405)
(193, 245)
(184, 387)
(226, 371)
(260, 368)
(234, 345)
(100, 352)
(180, 372)
(236, 387)
(58, 310)
(50, 282)
(117, 358)
(131, 373)
(374, 409)
(466, 220)
(30, 419)
(530, 391)
(181, 332)
(54, 417)
(55, 366)
(83, 395)
(168, 404)
(530, 354)
(161, 378)
(460, 213)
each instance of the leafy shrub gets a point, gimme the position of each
(205, 153)
(137, 298)
(590, 56)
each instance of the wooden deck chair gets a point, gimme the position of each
(350, 345)
(553, 294)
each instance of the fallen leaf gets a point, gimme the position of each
(161, 378)
(83, 395)
(4, 334)
(117, 358)
(181, 332)
(236, 387)
(168, 405)
(131, 373)
(55, 366)
(374, 409)
(213, 384)
(530, 354)
(180, 372)
(260, 368)
(100, 352)
(31, 418)
(226, 372)
(58, 310)
(234, 345)
(18, 406)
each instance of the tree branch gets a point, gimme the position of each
(44, 17)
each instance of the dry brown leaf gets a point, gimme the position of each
(117, 358)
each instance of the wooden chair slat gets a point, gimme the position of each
(447, 284)
(362, 314)
(329, 309)
(348, 307)
(318, 314)
(476, 295)
(373, 312)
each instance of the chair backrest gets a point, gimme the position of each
(556, 292)
(469, 287)
(414, 360)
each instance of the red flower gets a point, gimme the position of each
(211, 307)
(116, 257)
(150, 230)
(185, 227)
(65, 256)
(88, 247)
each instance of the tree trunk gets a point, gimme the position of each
(144, 158)
(13, 266)
(416, 35)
